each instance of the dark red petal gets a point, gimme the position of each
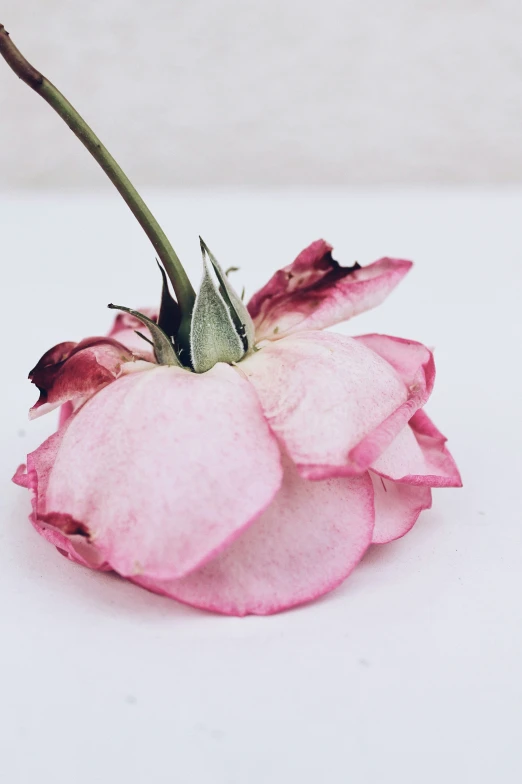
(79, 370)
(310, 268)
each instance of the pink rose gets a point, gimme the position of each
(254, 484)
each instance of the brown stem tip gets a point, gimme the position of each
(15, 59)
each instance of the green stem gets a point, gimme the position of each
(25, 71)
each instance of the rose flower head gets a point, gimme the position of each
(237, 458)
(249, 470)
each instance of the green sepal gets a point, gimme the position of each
(169, 317)
(163, 348)
(213, 334)
(240, 315)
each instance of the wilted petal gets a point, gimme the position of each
(163, 344)
(315, 292)
(44, 373)
(335, 404)
(305, 544)
(68, 536)
(76, 373)
(418, 456)
(412, 361)
(397, 507)
(66, 411)
(164, 468)
(124, 331)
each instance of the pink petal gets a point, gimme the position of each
(315, 292)
(66, 411)
(335, 404)
(418, 456)
(124, 331)
(305, 544)
(412, 361)
(73, 372)
(163, 469)
(397, 508)
(66, 535)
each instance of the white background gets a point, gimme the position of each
(411, 671)
(274, 92)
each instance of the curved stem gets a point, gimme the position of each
(25, 71)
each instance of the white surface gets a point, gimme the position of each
(278, 92)
(411, 671)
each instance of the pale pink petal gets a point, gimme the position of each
(414, 363)
(397, 508)
(164, 468)
(433, 445)
(68, 536)
(335, 404)
(66, 411)
(305, 544)
(315, 292)
(124, 331)
(126, 321)
(75, 371)
(418, 456)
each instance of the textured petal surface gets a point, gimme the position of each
(164, 468)
(335, 404)
(65, 534)
(305, 544)
(414, 363)
(418, 456)
(315, 292)
(76, 373)
(397, 507)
